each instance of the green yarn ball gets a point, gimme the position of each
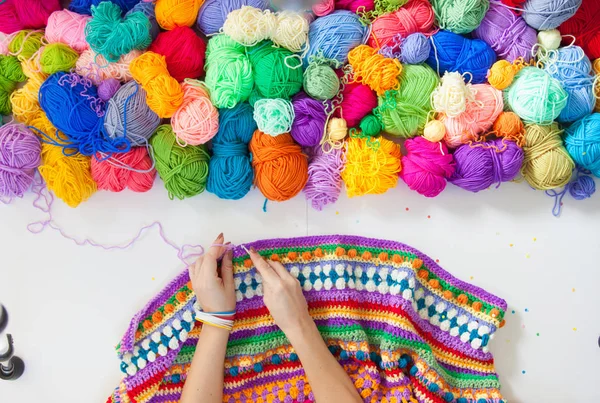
(274, 116)
(321, 82)
(405, 112)
(535, 96)
(370, 125)
(58, 57)
(183, 169)
(460, 16)
(228, 72)
(277, 71)
(25, 44)
(11, 74)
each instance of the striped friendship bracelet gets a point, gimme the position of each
(222, 320)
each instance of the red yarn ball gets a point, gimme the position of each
(115, 174)
(16, 15)
(357, 102)
(426, 166)
(585, 27)
(514, 4)
(184, 51)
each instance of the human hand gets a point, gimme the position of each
(282, 295)
(213, 285)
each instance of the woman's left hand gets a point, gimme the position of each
(212, 284)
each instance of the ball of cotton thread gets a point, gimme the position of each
(324, 183)
(452, 95)
(97, 69)
(309, 122)
(69, 28)
(549, 14)
(460, 16)
(274, 116)
(415, 49)
(19, 158)
(582, 140)
(321, 82)
(197, 120)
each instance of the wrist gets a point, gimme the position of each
(303, 329)
(216, 332)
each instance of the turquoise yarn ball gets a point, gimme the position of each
(582, 140)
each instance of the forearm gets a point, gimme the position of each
(328, 380)
(204, 382)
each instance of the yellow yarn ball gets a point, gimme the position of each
(371, 168)
(249, 25)
(434, 131)
(337, 130)
(291, 30)
(501, 75)
(597, 83)
(171, 14)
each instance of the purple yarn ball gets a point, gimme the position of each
(324, 183)
(20, 155)
(108, 88)
(415, 49)
(213, 13)
(480, 165)
(309, 123)
(507, 33)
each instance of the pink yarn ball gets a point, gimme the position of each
(358, 101)
(426, 166)
(354, 5)
(69, 28)
(324, 7)
(197, 120)
(97, 68)
(415, 16)
(16, 15)
(479, 116)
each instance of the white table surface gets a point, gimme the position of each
(69, 305)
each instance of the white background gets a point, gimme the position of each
(70, 305)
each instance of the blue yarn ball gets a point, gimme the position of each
(582, 188)
(582, 140)
(415, 49)
(84, 6)
(230, 172)
(213, 13)
(572, 68)
(549, 14)
(334, 35)
(148, 9)
(451, 52)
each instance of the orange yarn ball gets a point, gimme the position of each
(376, 71)
(171, 14)
(280, 168)
(510, 126)
(122, 171)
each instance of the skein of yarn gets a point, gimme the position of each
(277, 73)
(415, 16)
(507, 33)
(11, 74)
(148, 9)
(274, 116)
(426, 166)
(371, 68)
(358, 5)
(197, 120)
(281, 170)
(585, 28)
(357, 102)
(171, 14)
(452, 52)
(108, 88)
(16, 15)
(111, 35)
(213, 13)
(163, 93)
(323, 7)
(184, 170)
(502, 74)
(508, 125)
(547, 164)
(57, 57)
(230, 170)
(85, 6)
(309, 125)
(19, 158)
(67, 27)
(549, 14)
(321, 81)
(25, 44)
(480, 165)
(371, 170)
(459, 16)
(130, 170)
(95, 67)
(596, 67)
(324, 183)
(183, 50)
(415, 49)
(370, 125)
(128, 115)
(582, 140)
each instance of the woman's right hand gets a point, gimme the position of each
(282, 295)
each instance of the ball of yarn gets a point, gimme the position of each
(549, 14)
(183, 169)
(230, 171)
(67, 27)
(323, 7)
(584, 27)
(509, 125)
(57, 57)
(213, 13)
(68, 177)
(163, 93)
(582, 188)
(507, 33)
(406, 113)
(549, 39)
(370, 125)
(124, 171)
(19, 158)
(337, 130)
(459, 16)
(371, 170)
(280, 168)
(128, 115)
(291, 30)
(596, 67)
(148, 9)
(415, 49)
(11, 74)
(452, 52)
(356, 5)
(274, 116)
(277, 73)
(571, 67)
(426, 166)
(434, 131)
(502, 74)
(229, 73)
(108, 88)
(371, 68)
(357, 102)
(25, 44)
(308, 126)
(547, 164)
(324, 183)
(479, 116)
(95, 67)
(197, 120)
(171, 14)
(415, 16)
(85, 6)
(480, 165)
(452, 95)
(183, 50)
(535, 96)
(320, 81)
(111, 35)
(582, 140)
(334, 35)
(16, 15)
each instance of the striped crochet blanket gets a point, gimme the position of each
(404, 329)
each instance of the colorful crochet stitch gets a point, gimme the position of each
(403, 329)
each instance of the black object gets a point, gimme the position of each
(11, 368)
(3, 318)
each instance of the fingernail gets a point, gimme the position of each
(227, 243)
(220, 236)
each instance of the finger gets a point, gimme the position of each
(267, 272)
(227, 270)
(194, 268)
(214, 252)
(209, 266)
(280, 270)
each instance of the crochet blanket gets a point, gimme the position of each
(404, 329)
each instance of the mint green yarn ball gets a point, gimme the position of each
(321, 82)
(460, 16)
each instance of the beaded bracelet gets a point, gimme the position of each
(222, 320)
